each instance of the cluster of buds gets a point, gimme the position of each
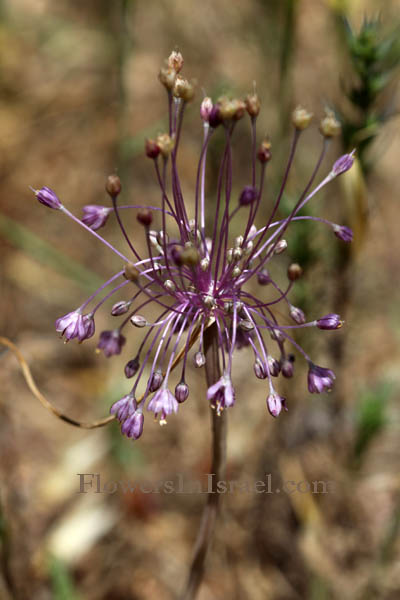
(201, 276)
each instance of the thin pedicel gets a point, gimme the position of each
(197, 275)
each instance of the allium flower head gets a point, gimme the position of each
(209, 261)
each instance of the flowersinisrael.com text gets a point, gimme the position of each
(95, 483)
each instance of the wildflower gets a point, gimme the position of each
(75, 325)
(196, 271)
(320, 379)
(95, 216)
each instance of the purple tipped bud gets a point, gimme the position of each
(319, 379)
(74, 325)
(124, 408)
(95, 216)
(47, 197)
(111, 342)
(275, 404)
(287, 367)
(163, 403)
(133, 426)
(199, 360)
(120, 308)
(263, 277)
(205, 109)
(248, 195)
(214, 118)
(343, 233)
(221, 395)
(132, 367)
(181, 392)
(330, 321)
(297, 315)
(139, 321)
(274, 366)
(259, 369)
(156, 380)
(343, 164)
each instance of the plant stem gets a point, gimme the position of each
(206, 530)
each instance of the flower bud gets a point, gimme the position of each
(343, 164)
(343, 233)
(263, 277)
(280, 247)
(167, 77)
(329, 126)
(183, 89)
(156, 380)
(331, 321)
(246, 325)
(138, 321)
(131, 272)
(170, 286)
(275, 404)
(253, 104)
(145, 217)
(132, 367)
(199, 360)
(190, 257)
(297, 315)
(47, 197)
(236, 271)
(259, 369)
(274, 366)
(214, 117)
(120, 308)
(248, 195)
(264, 152)
(165, 143)
(287, 366)
(175, 61)
(152, 149)
(181, 392)
(294, 272)
(95, 216)
(113, 185)
(204, 264)
(205, 109)
(301, 118)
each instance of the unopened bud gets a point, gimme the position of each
(263, 277)
(280, 247)
(253, 105)
(248, 195)
(297, 315)
(152, 149)
(181, 392)
(264, 152)
(329, 126)
(190, 257)
(277, 335)
(120, 308)
(214, 117)
(156, 380)
(165, 143)
(113, 185)
(131, 272)
(237, 253)
(139, 321)
(273, 366)
(287, 366)
(204, 264)
(205, 109)
(132, 367)
(246, 325)
(294, 272)
(301, 118)
(199, 359)
(183, 89)
(170, 286)
(145, 217)
(175, 61)
(259, 369)
(236, 271)
(167, 77)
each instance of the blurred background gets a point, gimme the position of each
(78, 95)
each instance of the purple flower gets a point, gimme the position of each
(95, 216)
(132, 427)
(75, 325)
(163, 403)
(221, 394)
(111, 342)
(205, 109)
(343, 164)
(343, 233)
(275, 404)
(124, 407)
(47, 197)
(319, 379)
(330, 321)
